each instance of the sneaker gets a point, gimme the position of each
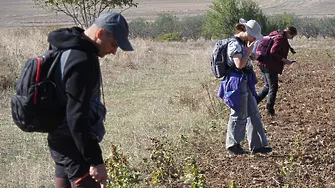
(236, 150)
(263, 150)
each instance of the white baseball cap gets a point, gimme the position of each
(253, 28)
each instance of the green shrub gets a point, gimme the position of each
(139, 28)
(161, 166)
(286, 19)
(159, 169)
(327, 27)
(175, 36)
(191, 27)
(250, 10)
(221, 20)
(192, 175)
(168, 28)
(314, 27)
(164, 24)
(120, 172)
(308, 27)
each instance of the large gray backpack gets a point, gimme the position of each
(219, 60)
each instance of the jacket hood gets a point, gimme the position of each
(72, 38)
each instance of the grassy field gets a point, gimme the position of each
(166, 91)
(155, 91)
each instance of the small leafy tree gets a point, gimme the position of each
(224, 15)
(83, 12)
(286, 19)
(220, 21)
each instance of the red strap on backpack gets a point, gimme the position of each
(37, 79)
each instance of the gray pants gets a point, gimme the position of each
(247, 119)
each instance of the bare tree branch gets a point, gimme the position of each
(66, 11)
(83, 12)
(122, 10)
(100, 8)
(95, 8)
(90, 14)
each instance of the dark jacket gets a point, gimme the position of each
(279, 50)
(81, 82)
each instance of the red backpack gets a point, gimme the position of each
(264, 47)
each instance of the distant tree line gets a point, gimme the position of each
(218, 22)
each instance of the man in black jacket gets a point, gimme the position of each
(74, 146)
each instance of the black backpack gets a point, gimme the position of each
(219, 60)
(37, 105)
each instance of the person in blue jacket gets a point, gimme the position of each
(239, 93)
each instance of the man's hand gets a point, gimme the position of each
(99, 174)
(103, 184)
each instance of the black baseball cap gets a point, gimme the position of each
(117, 25)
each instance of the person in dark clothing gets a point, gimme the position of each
(274, 65)
(74, 145)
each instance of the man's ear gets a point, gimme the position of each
(100, 32)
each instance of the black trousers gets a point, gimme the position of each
(270, 88)
(71, 169)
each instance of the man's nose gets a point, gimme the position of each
(113, 51)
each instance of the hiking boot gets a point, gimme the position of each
(236, 150)
(263, 150)
(270, 110)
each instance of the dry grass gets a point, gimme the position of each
(157, 91)
(152, 92)
(24, 157)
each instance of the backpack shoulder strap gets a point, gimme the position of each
(229, 61)
(63, 59)
(236, 39)
(277, 35)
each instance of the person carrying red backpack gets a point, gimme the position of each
(273, 65)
